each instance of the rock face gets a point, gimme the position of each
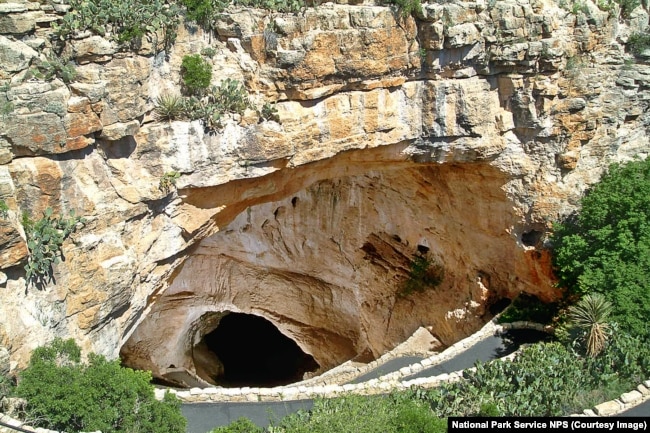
(459, 135)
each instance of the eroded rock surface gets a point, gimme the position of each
(461, 134)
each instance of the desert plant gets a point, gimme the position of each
(638, 43)
(44, 241)
(6, 106)
(407, 7)
(274, 5)
(269, 112)
(125, 21)
(627, 6)
(591, 315)
(59, 67)
(168, 181)
(65, 394)
(208, 52)
(230, 96)
(4, 209)
(425, 273)
(196, 73)
(204, 12)
(169, 107)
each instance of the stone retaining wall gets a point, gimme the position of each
(330, 384)
(330, 387)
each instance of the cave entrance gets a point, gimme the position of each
(253, 352)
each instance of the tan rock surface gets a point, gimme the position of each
(468, 131)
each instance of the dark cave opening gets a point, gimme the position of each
(255, 353)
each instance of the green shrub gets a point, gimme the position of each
(241, 425)
(44, 241)
(208, 52)
(274, 5)
(627, 6)
(638, 43)
(425, 273)
(363, 414)
(406, 7)
(269, 112)
(6, 106)
(4, 209)
(126, 20)
(204, 12)
(196, 73)
(6, 386)
(168, 181)
(65, 394)
(604, 248)
(527, 307)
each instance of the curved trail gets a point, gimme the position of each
(201, 417)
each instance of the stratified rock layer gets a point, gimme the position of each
(461, 134)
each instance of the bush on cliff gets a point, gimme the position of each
(196, 73)
(63, 393)
(605, 248)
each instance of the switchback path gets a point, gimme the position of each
(201, 417)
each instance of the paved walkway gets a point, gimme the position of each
(204, 416)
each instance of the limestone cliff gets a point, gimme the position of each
(461, 134)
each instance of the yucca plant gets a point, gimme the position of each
(169, 107)
(590, 315)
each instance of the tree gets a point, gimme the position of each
(65, 394)
(605, 248)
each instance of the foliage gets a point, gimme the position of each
(230, 96)
(208, 52)
(590, 315)
(59, 67)
(6, 387)
(204, 12)
(269, 112)
(638, 43)
(168, 181)
(65, 394)
(4, 209)
(124, 21)
(627, 6)
(364, 414)
(241, 425)
(196, 73)
(406, 7)
(579, 6)
(605, 248)
(6, 106)
(44, 241)
(274, 5)
(424, 273)
(527, 307)
(169, 107)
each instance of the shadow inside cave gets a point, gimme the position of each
(255, 353)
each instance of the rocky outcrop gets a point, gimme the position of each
(460, 135)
